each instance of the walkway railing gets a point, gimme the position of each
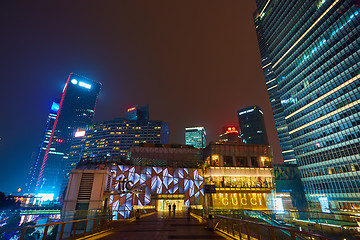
(68, 229)
(242, 229)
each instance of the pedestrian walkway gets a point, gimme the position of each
(160, 226)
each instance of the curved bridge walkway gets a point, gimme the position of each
(159, 226)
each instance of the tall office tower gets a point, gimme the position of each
(109, 141)
(37, 159)
(195, 136)
(312, 49)
(76, 109)
(252, 126)
(230, 134)
(287, 148)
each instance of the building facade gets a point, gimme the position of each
(37, 159)
(195, 136)
(252, 126)
(155, 176)
(76, 109)
(109, 141)
(241, 174)
(312, 50)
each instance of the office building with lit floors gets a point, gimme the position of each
(282, 130)
(195, 136)
(252, 126)
(312, 50)
(109, 141)
(76, 109)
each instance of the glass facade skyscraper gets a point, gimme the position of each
(311, 58)
(195, 136)
(252, 126)
(76, 109)
(37, 159)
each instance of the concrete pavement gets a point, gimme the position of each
(160, 226)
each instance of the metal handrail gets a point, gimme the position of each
(233, 223)
(74, 229)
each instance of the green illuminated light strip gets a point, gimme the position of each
(325, 95)
(307, 31)
(326, 116)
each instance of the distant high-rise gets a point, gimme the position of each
(37, 159)
(137, 113)
(195, 136)
(230, 134)
(252, 126)
(76, 109)
(109, 141)
(311, 49)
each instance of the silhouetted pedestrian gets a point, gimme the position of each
(174, 208)
(188, 212)
(169, 208)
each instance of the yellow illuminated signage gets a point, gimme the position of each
(256, 201)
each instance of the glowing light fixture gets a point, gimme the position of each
(247, 111)
(131, 109)
(55, 107)
(80, 133)
(272, 87)
(46, 196)
(85, 85)
(74, 81)
(271, 81)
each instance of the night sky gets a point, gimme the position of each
(195, 62)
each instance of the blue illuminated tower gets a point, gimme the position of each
(311, 60)
(76, 109)
(37, 159)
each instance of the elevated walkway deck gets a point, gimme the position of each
(159, 226)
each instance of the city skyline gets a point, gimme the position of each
(141, 66)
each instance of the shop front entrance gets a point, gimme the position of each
(164, 200)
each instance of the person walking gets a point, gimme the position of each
(189, 212)
(169, 208)
(174, 208)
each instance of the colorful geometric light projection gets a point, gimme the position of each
(154, 181)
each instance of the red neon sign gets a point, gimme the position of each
(131, 109)
(231, 130)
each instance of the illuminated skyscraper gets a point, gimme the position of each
(311, 60)
(76, 109)
(195, 136)
(252, 126)
(37, 159)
